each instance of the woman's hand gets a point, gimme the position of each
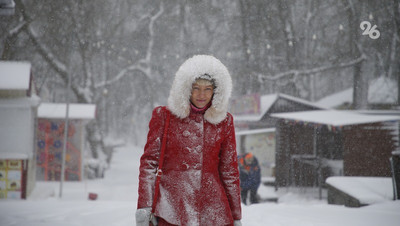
(143, 217)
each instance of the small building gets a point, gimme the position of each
(18, 108)
(255, 128)
(314, 145)
(254, 111)
(50, 140)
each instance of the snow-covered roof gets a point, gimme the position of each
(58, 110)
(335, 118)
(382, 90)
(267, 101)
(377, 112)
(254, 131)
(32, 101)
(12, 155)
(14, 75)
(367, 190)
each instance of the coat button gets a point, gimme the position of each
(186, 133)
(197, 166)
(188, 149)
(185, 166)
(197, 149)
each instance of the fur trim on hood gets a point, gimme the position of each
(188, 72)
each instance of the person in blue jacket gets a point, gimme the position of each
(250, 177)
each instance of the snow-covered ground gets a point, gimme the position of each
(117, 195)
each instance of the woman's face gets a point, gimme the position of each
(202, 94)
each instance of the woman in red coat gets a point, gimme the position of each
(200, 180)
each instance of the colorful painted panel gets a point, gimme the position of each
(10, 179)
(50, 138)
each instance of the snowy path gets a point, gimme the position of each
(116, 204)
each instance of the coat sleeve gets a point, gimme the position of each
(258, 174)
(228, 169)
(150, 158)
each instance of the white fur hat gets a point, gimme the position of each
(188, 72)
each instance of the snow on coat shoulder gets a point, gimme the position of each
(192, 68)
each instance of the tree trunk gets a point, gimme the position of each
(397, 57)
(243, 78)
(360, 83)
(360, 88)
(285, 17)
(183, 36)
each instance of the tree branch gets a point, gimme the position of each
(143, 65)
(11, 35)
(312, 70)
(120, 75)
(46, 53)
(57, 65)
(50, 58)
(15, 31)
(151, 31)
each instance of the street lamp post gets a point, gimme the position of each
(65, 138)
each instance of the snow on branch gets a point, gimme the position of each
(15, 31)
(312, 70)
(43, 50)
(57, 65)
(142, 65)
(120, 75)
(46, 53)
(151, 31)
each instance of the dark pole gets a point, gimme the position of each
(65, 138)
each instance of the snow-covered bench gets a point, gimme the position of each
(359, 191)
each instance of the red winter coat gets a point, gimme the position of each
(200, 181)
